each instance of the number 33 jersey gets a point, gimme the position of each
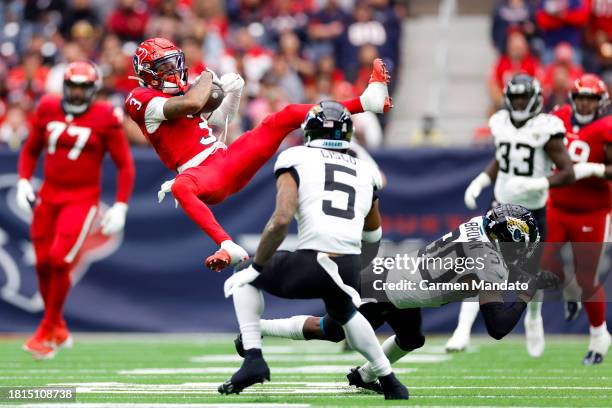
(335, 191)
(74, 149)
(520, 153)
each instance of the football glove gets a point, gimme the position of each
(239, 279)
(25, 195)
(113, 220)
(475, 188)
(585, 170)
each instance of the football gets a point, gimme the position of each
(215, 98)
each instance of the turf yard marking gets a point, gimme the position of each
(314, 358)
(312, 369)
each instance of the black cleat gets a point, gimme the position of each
(239, 346)
(253, 370)
(572, 310)
(392, 388)
(592, 358)
(354, 378)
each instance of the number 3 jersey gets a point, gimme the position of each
(335, 191)
(176, 141)
(442, 265)
(584, 144)
(520, 153)
(74, 149)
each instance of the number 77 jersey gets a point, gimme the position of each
(74, 148)
(335, 193)
(520, 153)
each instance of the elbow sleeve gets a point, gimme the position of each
(500, 318)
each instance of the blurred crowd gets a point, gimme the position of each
(553, 40)
(288, 51)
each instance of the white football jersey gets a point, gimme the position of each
(520, 153)
(335, 195)
(468, 241)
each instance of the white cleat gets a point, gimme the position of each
(459, 341)
(534, 334)
(599, 344)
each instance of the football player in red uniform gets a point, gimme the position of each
(75, 132)
(170, 114)
(580, 213)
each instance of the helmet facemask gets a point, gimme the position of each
(586, 107)
(78, 96)
(522, 101)
(168, 74)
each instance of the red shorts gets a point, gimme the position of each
(587, 232)
(59, 229)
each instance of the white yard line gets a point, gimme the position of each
(317, 358)
(313, 369)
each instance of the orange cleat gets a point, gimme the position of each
(219, 260)
(40, 344)
(380, 73)
(61, 337)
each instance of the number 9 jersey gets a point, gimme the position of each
(520, 153)
(335, 192)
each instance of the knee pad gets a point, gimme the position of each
(409, 343)
(331, 329)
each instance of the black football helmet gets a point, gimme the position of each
(514, 230)
(328, 125)
(523, 97)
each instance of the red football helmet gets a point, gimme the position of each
(161, 65)
(591, 86)
(81, 81)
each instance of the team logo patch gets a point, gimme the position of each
(518, 228)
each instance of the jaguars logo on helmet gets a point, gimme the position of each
(514, 230)
(328, 125)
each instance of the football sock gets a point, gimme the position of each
(598, 330)
(291, 328)
(44, 281)
(596, 308)
(361, 337)
(57, 294)
(467, 315)
(249, 305)
(185, 191)
(534, 308)
(393, 353)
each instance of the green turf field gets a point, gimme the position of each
(187, 369)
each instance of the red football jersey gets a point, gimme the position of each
(175, 141)
(584, 144)
(74, 150)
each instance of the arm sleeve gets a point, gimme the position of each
(31, 150)
(500, 318)
(119, 149)
(154, 114)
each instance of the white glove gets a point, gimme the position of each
(25, 195)
(239, 279)
(475, 188)
(585, 170)
(236, 252)
(525, 185)
(231, 83)
(113, 220)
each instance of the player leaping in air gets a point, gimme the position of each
(170, 114)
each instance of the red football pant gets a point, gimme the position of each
(58, 231)
(586, 232)
(228, 171)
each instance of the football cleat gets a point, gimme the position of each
(220, 260)
(458, 342)
(40, 344)
(376, 98)
(354, 378)
(572, 310)
(534, 333)
(61, 337)
(253, 370)
(598, 348)
(239, 346)
(392, 388)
